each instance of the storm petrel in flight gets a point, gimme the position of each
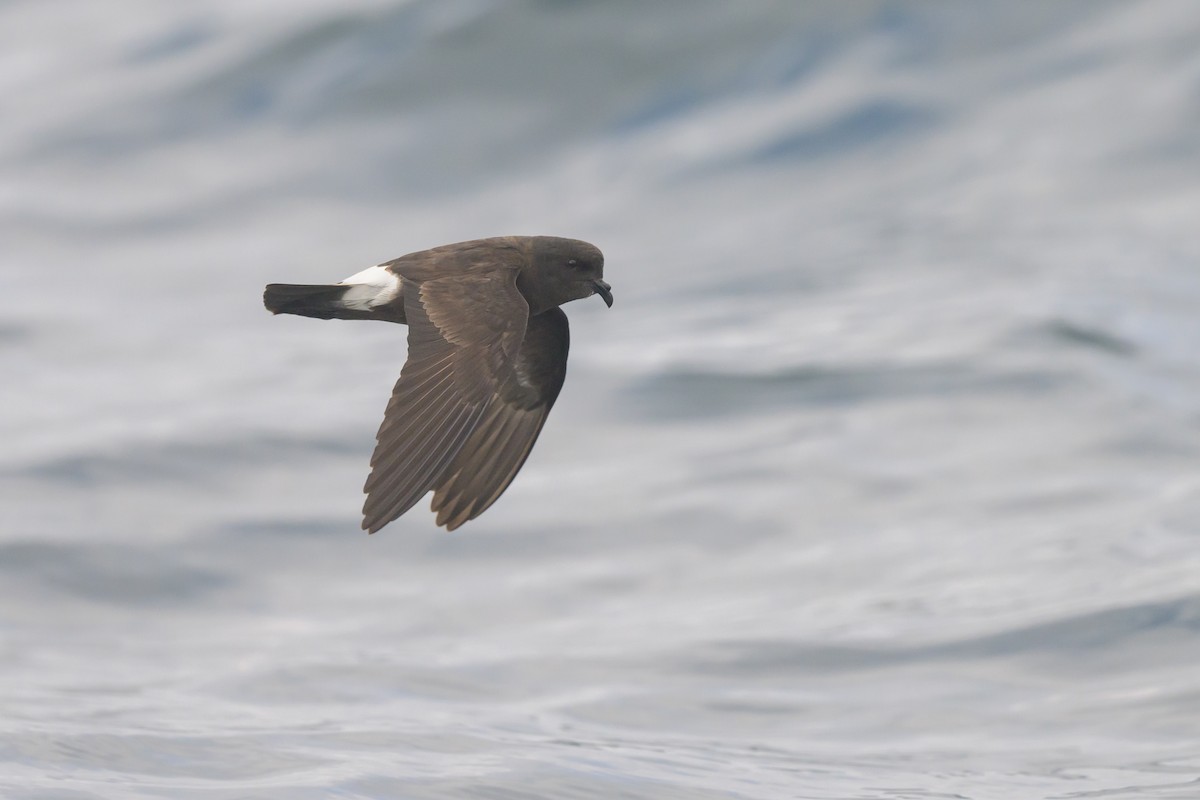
(487, 354)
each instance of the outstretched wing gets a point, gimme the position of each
(464, 335)
(498, 446)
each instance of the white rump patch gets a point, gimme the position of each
(372, 287)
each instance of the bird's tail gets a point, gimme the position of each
(322, 302)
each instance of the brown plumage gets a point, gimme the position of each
(487, 354)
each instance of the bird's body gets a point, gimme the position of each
(487, 355)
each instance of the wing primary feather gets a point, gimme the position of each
(408, 482)
(394, 444)
(396, 476)
(453, 495)
(480, 462)
(409, 493)
(414, 469)
(399, 453)
(485, 488)
(420, 378)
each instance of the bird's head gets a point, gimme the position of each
(564, 270)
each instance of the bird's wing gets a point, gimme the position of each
(464, 334)
(505, 434)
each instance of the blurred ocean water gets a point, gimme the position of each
(881, 479)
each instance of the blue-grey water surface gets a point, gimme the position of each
(881, 479)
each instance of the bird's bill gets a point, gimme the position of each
(604, 290)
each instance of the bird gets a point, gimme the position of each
(487, 356)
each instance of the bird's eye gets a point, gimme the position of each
(572, 262)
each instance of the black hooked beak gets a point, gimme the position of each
(604, 290)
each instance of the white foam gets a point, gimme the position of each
(372, 287)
